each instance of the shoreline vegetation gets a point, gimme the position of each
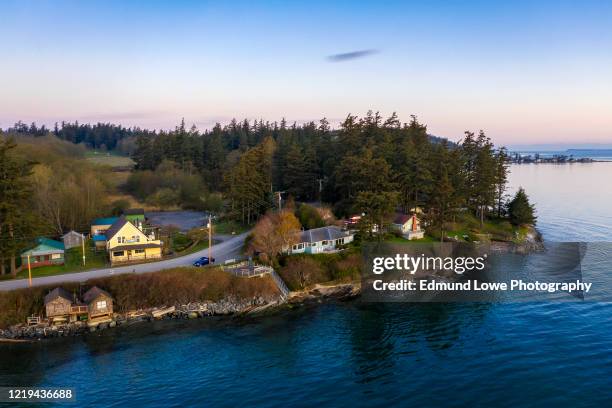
(134, 292)
(188, 293)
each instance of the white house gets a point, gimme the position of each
(319, 240)
(408, 225)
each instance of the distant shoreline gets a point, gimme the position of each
(562, 162)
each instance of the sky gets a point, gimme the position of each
(524, 72)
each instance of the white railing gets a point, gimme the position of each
(246, 270)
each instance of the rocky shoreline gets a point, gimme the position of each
(532, 242)
(193, 310)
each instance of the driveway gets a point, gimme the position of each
(228, 249)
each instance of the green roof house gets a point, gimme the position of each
(46, 252)
(135, 215)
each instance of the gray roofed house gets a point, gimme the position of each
(324, 239)
(117, 225)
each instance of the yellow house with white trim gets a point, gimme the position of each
(127, 243)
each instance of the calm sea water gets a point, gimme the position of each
(339, 354)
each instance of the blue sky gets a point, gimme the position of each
(525, 72)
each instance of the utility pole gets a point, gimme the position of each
(29, 271)
(209, 238)
(83, 247)
(280, 199)
(320, 190)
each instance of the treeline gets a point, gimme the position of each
(45, 189)
(370, 164)
(104, 136)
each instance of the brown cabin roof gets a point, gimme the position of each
(58, 293)
(93, 293)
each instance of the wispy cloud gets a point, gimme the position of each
(347, 56)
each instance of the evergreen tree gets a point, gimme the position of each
(501, 178)
(18, 222)
(520, 210)
(377, 209)
(299, 174)
(441, 203)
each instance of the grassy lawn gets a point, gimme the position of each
(467, 228)
(228, 226)
(197, 247)
(108, 159)
(73, 263)
(401, 240)
(521, 234)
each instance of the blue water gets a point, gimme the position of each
(339, 354)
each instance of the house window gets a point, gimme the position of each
(139, 251)
(56, 256)
(324, 243)
(101, 304)
(118, 253)
(121, 240)
(312, 244)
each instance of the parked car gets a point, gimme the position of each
(203, 261)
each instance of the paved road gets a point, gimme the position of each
(228, 249)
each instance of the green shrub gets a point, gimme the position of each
(309, 216)
(303, 270)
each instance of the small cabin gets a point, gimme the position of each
(99, 305)
(72, 239)
(58, 303)
(61, 306)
